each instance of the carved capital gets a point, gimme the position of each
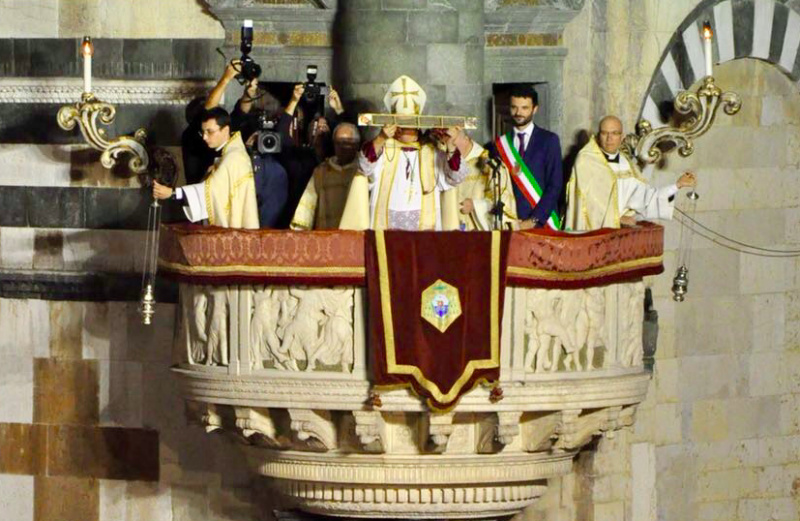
(568, 430)
(314, 429)
(371, 430)
(257, 427)
(211, 419)
(507, 426)
(440, 427)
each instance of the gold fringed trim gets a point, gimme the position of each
(579, 275)
(262, 270)
(388, 327)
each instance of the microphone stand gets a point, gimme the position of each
(497, 204)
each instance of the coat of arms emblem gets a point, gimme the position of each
(440, 305)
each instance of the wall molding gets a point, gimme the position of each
(117, 92)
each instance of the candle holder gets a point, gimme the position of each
(89, 114)
(699, 110)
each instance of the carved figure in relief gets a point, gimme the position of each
(265, 345)
(217, 347)
(195, 305)
(303, 335)
(547, 330)
(596, 315)
(632, 316)
(572, 316)
(337, 331)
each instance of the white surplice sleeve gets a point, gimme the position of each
(195, 207)
(646, 201)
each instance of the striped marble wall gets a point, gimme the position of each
(767, 30)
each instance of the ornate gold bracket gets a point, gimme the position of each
(88, 114)
(700, 111)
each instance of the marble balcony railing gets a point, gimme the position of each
(271, 348)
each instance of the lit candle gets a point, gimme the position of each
(708, 34)
(87, 49)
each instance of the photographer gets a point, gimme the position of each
(302, 156)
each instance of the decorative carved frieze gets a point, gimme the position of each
(567, 329)
(114, 92)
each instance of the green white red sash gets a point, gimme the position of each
(522, 176)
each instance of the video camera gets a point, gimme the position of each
(314, 93)
(249, 69)
(268, 139)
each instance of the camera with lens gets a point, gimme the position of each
(314, 93)
(268, 139)
(249, 69)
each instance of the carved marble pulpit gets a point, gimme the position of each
(272, 350)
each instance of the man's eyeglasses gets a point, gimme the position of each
(208, 132)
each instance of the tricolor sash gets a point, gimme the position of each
(522, 176)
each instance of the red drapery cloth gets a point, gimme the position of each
(444, 272)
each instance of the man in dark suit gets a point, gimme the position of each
(538, 178)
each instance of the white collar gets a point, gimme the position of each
(528, 130)
(610, 156)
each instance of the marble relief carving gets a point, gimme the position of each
(206, 324)
(566, 329)
(297, 328)
(291, 329)
(313, 432)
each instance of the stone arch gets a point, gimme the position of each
(767, 30)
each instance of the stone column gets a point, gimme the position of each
(438, 44)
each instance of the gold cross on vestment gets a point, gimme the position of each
(405, 94)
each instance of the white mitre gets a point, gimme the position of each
(405, 97)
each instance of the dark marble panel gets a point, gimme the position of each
(662, 96)
(82, 287)
(56, 207)
(33, 123)
(39, 57)
(795, 75)
(6, 57)
(197, 59)
(780, 18)
(148, 58)
(107, 61)
(13, 206)
(113, 58)
(743, 20)
(80, 207)
(164, 124)
(36, 123)
(681, 58)
(102, 207)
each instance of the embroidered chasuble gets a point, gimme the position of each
(599, 192)
(227, 196)
(436, 303)
(405, 188)
(323, 201)
(478, 187)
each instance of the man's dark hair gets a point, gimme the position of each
(219, 115)
(525, 90)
